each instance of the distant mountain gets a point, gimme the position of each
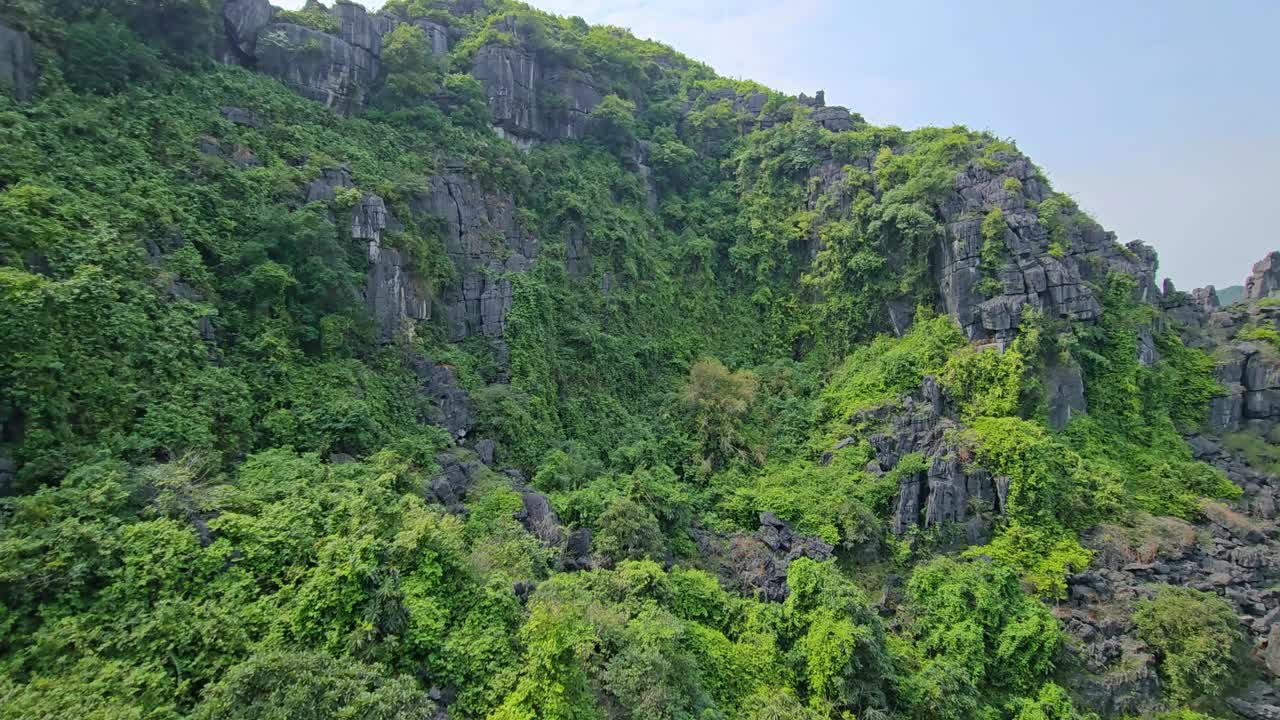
(1231, 295)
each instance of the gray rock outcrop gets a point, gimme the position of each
(1054, 281)
(529, 99)
(18, 72)
(1265, 279)
(394, 292)
(318, 66)
(242, 21)
(437, 37)
(487, 246)
(756, 565)
(447, 404)
(948, 490)
(1234, 552)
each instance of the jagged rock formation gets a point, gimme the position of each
(949, 490)
(487, 245)
(1234, 552)
(1265, 279)
(1055, 281)
(482, 238)
(530, 100)
(18, 73)
(756, 564)
(336, 70)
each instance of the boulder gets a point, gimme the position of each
(243, 20)
(540, 519)
(18, 72)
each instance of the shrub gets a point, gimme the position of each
(1193, 634)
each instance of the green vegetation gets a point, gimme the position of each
(221, 506)
(1193, 634)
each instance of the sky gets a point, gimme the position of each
(1160, 117)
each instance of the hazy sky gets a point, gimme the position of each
(1162, 118)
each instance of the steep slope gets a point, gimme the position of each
(463, 360)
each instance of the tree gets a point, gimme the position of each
(613, 122)
(718, 400)
(627, 531)
(1193, 634)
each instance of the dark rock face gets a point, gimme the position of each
(18, 74)
(460, 470)
(241, 116)
(1054, 283)
(540, 519)
(950, 490)
(337, 70)
(835, 119)
(756, 565)
(320, 67)
(1064, 389)
(1250, 376)
(394, 292)
(8, 472)
(482, 238)
(487, 246)
(1265, 279)
(243, 20)
(529, 100)
(449, 406)
(437, 35)
(325, 187)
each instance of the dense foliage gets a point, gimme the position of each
(219, 507)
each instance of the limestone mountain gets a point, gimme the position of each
(461, 360)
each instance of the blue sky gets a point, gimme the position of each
(1161, 118)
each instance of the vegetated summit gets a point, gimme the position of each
(465, 361)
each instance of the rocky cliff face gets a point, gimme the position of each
(530, 100)
(337, 70)
(486, 244)
(1233, 551)
(1054, 280)
(17, 64)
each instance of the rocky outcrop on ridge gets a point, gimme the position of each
(1056, 281)
(338, 71)
(1265, 279)
(530, 99)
